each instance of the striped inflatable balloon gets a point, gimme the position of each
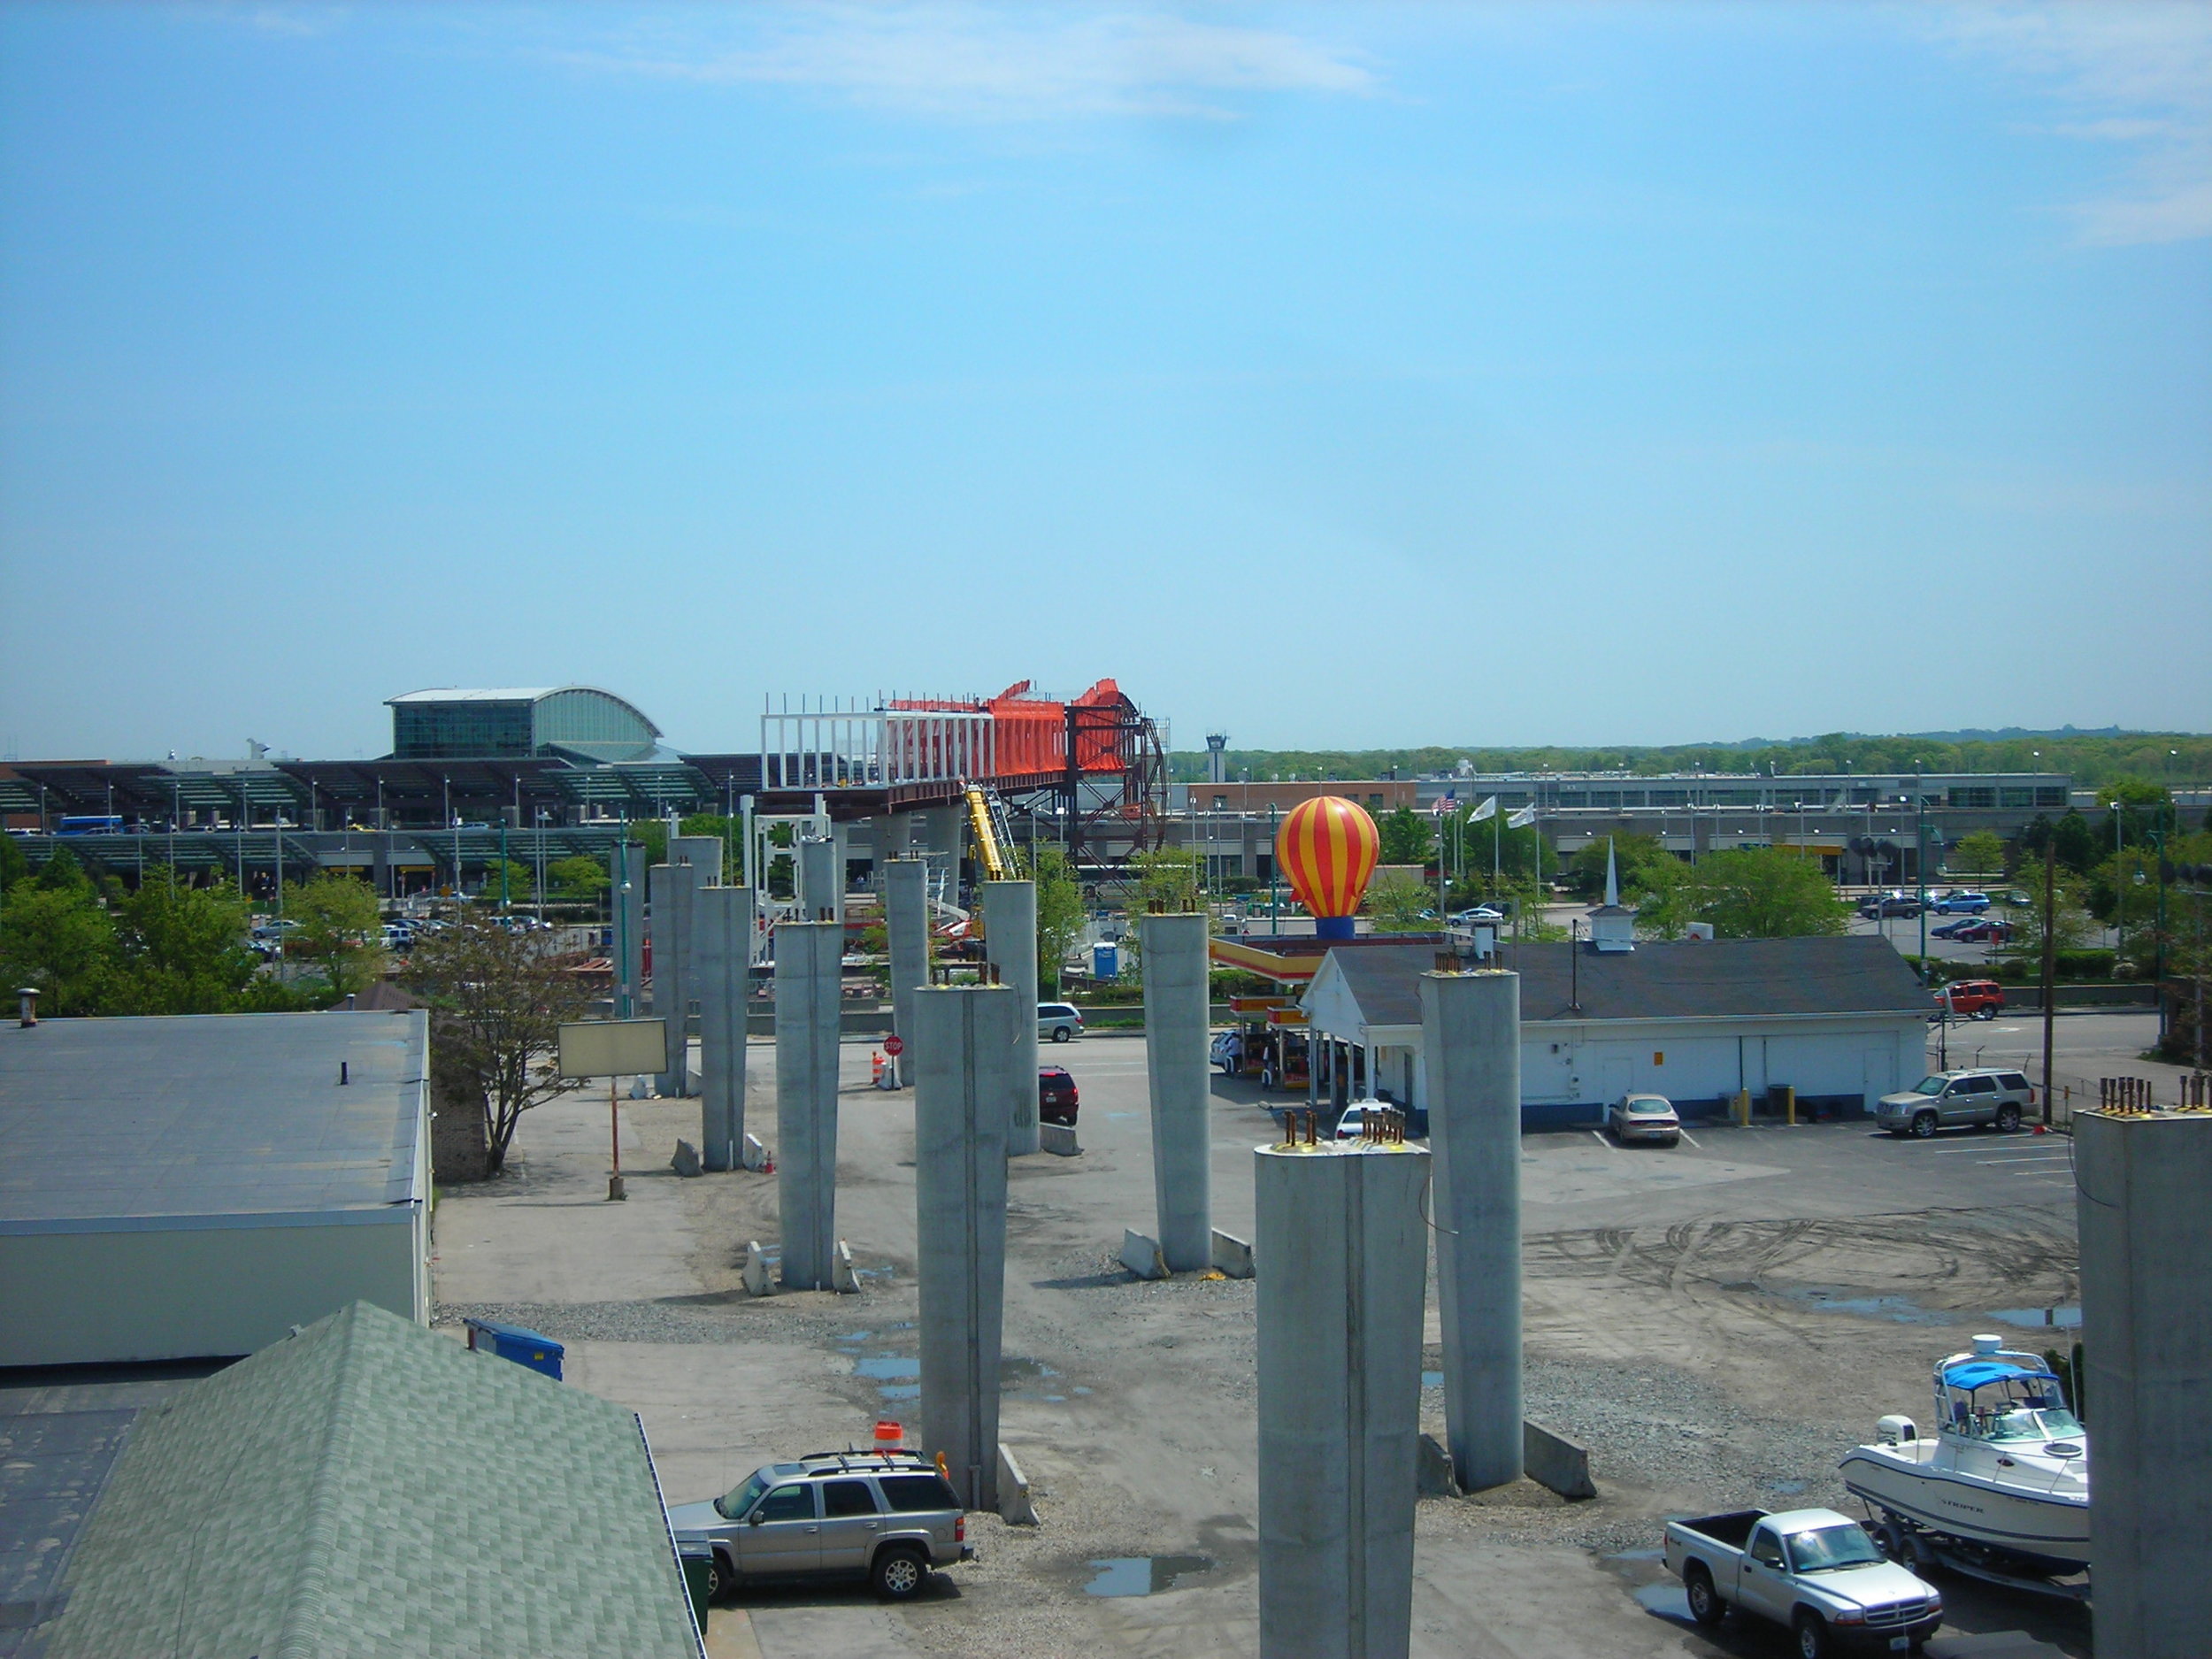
(1327, 846)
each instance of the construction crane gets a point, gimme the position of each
(987, 827)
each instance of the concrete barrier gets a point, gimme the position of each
(1553, 1460)
(758, 1281)
(1014, 1507)
(755, 1154)
(1059, 1139)
(1233, 1255)
(1142, 1254)
(844, 1277)
(1432, 1478)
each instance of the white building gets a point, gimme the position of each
(194, 1186)
(1842, 1020)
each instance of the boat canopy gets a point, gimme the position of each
(1979, 1374)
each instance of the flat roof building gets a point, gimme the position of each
(1840, 1019)
(189, 1186)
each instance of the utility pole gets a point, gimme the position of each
(2050, 958)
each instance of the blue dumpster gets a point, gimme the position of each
(527, 1348)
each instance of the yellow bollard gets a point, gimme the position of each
(1789, 1104)
(1743, 1108)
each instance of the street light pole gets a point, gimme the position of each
(1920, 861)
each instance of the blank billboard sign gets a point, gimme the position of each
(614, 1048)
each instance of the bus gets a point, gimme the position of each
(92, 824)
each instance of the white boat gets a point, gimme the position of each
(2005, 1474)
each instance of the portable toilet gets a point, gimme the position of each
(1105, 961)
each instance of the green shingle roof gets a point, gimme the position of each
(365, 1488)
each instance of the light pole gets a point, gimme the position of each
(1920, 861)
(625, 992)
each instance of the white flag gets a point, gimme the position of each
(1522, 819)
(1489, 809)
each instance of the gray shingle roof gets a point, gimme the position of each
(209, 1115)
(1707, 979)
(367, 1487)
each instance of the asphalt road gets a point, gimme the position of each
(1718, 1322)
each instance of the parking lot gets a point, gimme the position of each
(1718, 1322)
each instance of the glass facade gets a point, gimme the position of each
(457, 730)
(591, 723)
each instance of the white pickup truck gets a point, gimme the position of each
(1812, 1571)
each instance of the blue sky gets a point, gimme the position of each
(1629, 373)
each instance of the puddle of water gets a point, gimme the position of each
(1866, 1305)
(1144, 1575)
(1666, 1600)
(2039, 1319)
(1055, 1400)
(888, 1367)
(1079, 1389)
(855, 1336)
(1431, 1379)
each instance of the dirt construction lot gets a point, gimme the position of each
(1718, 1322)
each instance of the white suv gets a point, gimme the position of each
(1947, 1099)
(1058, 1021)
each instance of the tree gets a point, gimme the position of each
(1397, 901)
(581, 880)
(1169, 877)
(1983, 852)
(13, 866)
(1407, 837)
(183, 950)
(2068, 920)
(2079, 846)
(521, 881)
(1643, 863)
(1060, 913)
(58, 938)
(1764, 893)
(339, 929)
(500, 1001)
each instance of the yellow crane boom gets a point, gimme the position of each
(989, 853)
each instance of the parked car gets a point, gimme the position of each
(1480, 913)
(886, 1516)
(1974, 928)
(1813, 1572)
(1644, 1117)
(1354, 1122)
(1954, 904)
(1059, 1021)
(1972, 999)
(1057, 1097)
(1945, 1100)
(1876, 905)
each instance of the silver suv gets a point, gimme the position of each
(886, 1516)
(1947, 1099)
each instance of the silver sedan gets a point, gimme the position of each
(1644, 1117)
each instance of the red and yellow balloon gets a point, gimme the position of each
(1327, 846)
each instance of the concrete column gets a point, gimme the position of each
(2146, 1346)
(820, 881)
(1010, 944)
(967, 1047)
(944, 830)
(906, 923)
(722, 927)
(1470, 1034)
(1342, 1249)
(807, 958)
(660, 885)
(703, 853)
(1174, 953)
(840, 861)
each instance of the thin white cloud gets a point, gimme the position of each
(976, 62)
(2136, 76)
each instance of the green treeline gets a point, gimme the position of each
(2162, 759)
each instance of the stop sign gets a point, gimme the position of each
(894, 1045)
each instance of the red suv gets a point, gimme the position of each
(1976, 998)
(1056, 1097)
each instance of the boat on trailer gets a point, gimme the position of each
(2000, 1490)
